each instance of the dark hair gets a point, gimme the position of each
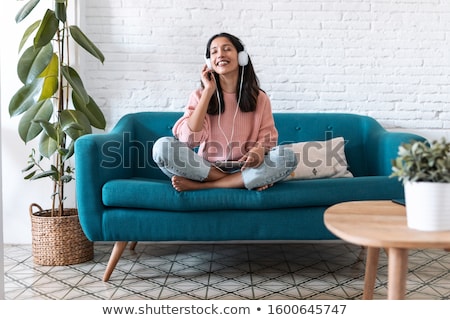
(250, 82)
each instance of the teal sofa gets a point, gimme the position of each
(122, 196)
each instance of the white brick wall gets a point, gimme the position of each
(389, 59)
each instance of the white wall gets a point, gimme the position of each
(389, 59)
(386, 58)
(18, 194)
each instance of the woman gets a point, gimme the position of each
(228, 118)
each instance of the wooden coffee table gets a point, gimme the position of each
(382, 224)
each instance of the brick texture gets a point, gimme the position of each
(389, 59)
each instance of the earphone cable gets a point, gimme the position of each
(229, 152)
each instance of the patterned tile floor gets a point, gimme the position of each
(322, 271)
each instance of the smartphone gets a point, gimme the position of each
(229, 165)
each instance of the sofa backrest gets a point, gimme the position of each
(139, 131)
(355, 129)
(147, 127)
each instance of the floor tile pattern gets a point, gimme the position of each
(313, 271)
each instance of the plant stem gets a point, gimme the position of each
(62, 96)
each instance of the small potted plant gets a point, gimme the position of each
(424, 169)
(55, 109)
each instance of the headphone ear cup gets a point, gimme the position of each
(208, 63)
(243, 58)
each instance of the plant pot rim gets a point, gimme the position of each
(47, 213)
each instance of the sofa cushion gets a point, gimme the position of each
(160, 195)
(320, 159)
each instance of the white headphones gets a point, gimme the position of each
(242, 59)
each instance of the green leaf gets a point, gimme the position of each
(75, 81)
(60, 11)
(28, 168)
(47, 29)
(91, 110)
(70, 151)
(74, 123)
(28, 33)
(26, 9)
(33, 62)
(45, 174)
(49, 129)
(28, 127)
(85, 43)
(66, 178)
(47, 145)
(30, 175)
(50, 75)
(25, 97)
(63, 151)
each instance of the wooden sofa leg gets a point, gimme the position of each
(116, 253)
(133, 245)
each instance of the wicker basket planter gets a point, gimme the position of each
(58, 241)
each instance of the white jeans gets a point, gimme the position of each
(176, 158)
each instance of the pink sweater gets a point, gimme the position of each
(213, 139)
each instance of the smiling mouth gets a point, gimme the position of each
(222, 63)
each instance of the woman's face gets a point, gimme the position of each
(224, 56)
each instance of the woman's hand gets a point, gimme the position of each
(208, 80)
(253, 158)
(197, 118)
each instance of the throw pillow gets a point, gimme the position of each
(320, 159)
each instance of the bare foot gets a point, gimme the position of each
(184, 184)
(229, 181)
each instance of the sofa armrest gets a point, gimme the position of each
(98, 158)
(382, 147)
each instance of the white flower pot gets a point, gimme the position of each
(428, 205)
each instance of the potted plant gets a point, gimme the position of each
(56, 109)
(424, 169)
